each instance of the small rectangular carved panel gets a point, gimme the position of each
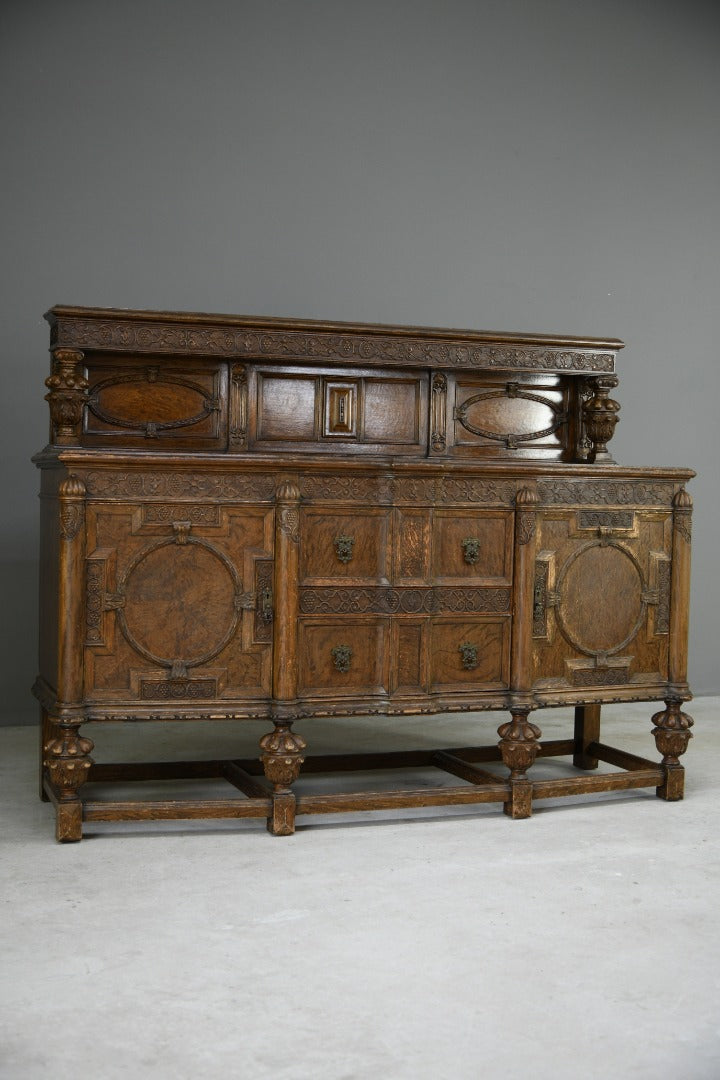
(408, 654)
(340, 409)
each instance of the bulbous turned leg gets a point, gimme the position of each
(67, 760)
(282, 756)
(672, 735)
(519, 747)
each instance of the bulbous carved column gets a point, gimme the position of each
(67, 396)
(67, 760)
(600, 415)
(282, 756)
(518, 747)
(672, 735)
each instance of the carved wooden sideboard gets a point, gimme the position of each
(280, 519)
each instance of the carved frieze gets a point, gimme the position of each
(606, 519)
(606, 492)
(380, 600)
(225, 486)
(120, 335)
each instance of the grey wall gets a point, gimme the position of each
(544, 165)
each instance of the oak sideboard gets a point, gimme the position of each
(283, 519)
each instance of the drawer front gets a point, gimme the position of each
(469, 654)
(472, 547)
(347, 546)
(343, 657)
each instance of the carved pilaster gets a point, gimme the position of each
(672, 735)
(71, 590)
(523, 592)
(238, 407)
(68, 393)
(438, 413)
(287, 538)
(600, 415)
(680, 593)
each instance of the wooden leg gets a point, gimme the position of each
(67, 760)
(282, 757)
(587, 730)
(672, 735)
(47, 733)
(519, 747)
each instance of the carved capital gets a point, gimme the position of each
(67, 760)
(600, 415)
(672, 731)
(682, 515)
(282, 755)
(72, 508)
(519, 743)
(525, 502)
(67, 395)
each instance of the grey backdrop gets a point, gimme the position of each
(545, 165)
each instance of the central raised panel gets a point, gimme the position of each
(179, 603)
(600, 599)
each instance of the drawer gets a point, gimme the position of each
(340, 658)
(351, 546)
(469, 653)
(472, 547)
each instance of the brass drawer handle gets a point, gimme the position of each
(471, 549)
(342, 655)
(344, 548)
(468, 655)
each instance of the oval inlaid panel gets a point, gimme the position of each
(496, 416)
(134, 404)
(179, 602)
(600, 599)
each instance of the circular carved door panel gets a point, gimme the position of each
(179, 602)
(600, 605)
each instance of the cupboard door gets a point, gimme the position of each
(341, 657)
(602, 598)
(351, 546)
(178, 602)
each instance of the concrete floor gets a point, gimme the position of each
(583, 943)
